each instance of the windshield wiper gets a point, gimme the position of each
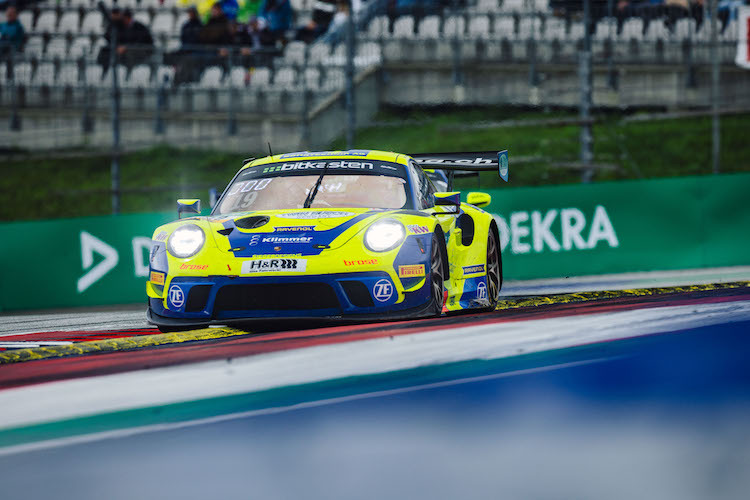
(314, 191)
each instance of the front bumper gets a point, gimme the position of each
(195, 301)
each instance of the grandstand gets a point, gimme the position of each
(421, 56)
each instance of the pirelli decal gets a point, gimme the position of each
(413, 271)
(274, 266)
(156, 278)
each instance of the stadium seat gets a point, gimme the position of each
(238, 77)
(26, 18)
(93, 74)
(488, 5)
(454, 26)
(333, 79)
(47, 21)
(211, 77)
(606, 27)
(81, 46)
(577, 31)
(162, 73)
(34, 46)
(429, 28)
(260, 77)
(656, 31)
(554, 29)
(377, 27)
(68, 74)
(632, 28)
(319, 51)
(68, 22)
(529, 27)
(22, 73)
(285, 77)
(505, 27)
(512, 6)
(57, 47)
(294, 53)
(45, 74)
(685, 28)
(92, 23)
(312, 78)
(140, 76)
(163, 23)
(142, 17)
(403, 27)
(479, 27)
(367, 53)
(181, 19)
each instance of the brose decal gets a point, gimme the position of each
(361, 262)
(274, 266)
(411, 271)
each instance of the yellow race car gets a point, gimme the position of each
(356, 234)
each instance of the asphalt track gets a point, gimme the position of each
(659, 372)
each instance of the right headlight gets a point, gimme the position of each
(186, 241)
(384, 235)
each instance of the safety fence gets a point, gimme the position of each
(560, 231)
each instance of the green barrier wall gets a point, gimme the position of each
(554, 231)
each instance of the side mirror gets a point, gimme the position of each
(452, 199)
(478, 199)
(188, 207)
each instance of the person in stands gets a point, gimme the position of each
(134, 41)
(277, 15)
(12, 34)
(322, 15)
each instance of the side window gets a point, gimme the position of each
(425, 189)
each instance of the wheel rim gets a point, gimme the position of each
(436, 272)
(493, 268)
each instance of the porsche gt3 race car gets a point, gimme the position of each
(336, 234)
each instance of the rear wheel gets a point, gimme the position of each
(494, 270)
(437, 276)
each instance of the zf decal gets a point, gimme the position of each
(273, 266)
(382, 290)
(482, 291)
(176, 296)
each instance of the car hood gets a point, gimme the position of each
(290, 232)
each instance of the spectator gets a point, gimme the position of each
(230, 9)
(134, 41)
(190, 31)
(322, 15)
(12, 34)
(185, 59)
(252, 39)
(277, 15)
(217, 32)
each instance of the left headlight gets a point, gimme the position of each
(384, 235)
(186, 241)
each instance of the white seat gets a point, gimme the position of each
(140, 76)
(479, 26)
(22, 73)
(163, 23)
(487, 5)
(285, 77)
(294, 53)
(334, 79)
(93, 74)
(319, 51)
(76, 3)
(367, 53)
(529, 27)
(260, 77)
(163, 72)
(57, 47)
(143, 18)
(68, 74)
(403, 27)
(45, 74)
(512, 6)
(81, 46)
(239, 77)
(632, 28)
(34, 46)
(656, 31)
(605, 28)
(211, 77)
(68, 22)
(429, 28)
(46, 21)
(454, 26)
(26, 18)
(92, 23)
(505, 27)
(181, 19)
(378, 26)
(312, 78)
(730, 32)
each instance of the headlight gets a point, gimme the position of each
(186, 241)
(384, 235)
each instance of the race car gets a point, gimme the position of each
(356, 234)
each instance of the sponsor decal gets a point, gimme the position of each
(91, 245)
(482, 291)
(293, 229)
(555, 230)
(274, 266)
(474, 269)
(157, 278)
(315, 215)
(276, 255)
(193, 267)
(382, 290)
(305, 154)
(411, 271)
(161, 236)
(361, 262)
(176, 296)
(260, 238)
(413, 228)
(307, 165)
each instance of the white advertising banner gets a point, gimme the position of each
(743, 38)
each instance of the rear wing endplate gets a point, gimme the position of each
(469, 162)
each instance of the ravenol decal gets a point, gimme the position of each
(413, 228)
(306, 165)
(382, 290)
(482, 291)
(411, 271)
(273, 266)
(474, 269)
(293, 229)
(156, 278)
(176, 296)
(315, 215)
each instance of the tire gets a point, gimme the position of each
(494, 270)
(437, 277)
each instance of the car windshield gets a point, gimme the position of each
(280, 186)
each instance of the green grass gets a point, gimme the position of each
(71, 187)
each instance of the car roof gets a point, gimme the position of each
(364, 154)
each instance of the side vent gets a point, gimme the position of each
(253, 222)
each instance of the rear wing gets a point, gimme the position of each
(468, 162)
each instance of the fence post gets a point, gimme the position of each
(350, 104)
(585, 108)
(232, 119)
(87, 123)
(715, 132)
(15, 117)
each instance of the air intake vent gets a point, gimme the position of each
(253, 222)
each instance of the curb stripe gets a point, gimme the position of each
(143, 341)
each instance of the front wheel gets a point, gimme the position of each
(494, 271)
(437, 277)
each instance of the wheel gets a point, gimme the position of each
(494, 271)
(437, 276)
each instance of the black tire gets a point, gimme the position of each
(494, 270)
(437, 276)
